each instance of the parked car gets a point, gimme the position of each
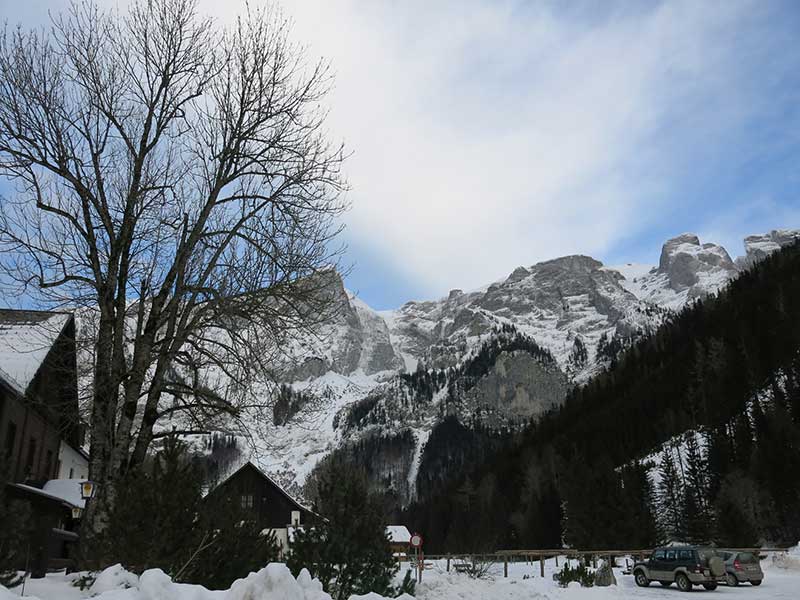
(741, 567)
(686, 566)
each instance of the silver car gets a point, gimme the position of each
(741, 567)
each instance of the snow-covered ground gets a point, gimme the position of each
(782, 581)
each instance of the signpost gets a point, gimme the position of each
(416, 543)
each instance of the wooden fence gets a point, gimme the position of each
(540, 556)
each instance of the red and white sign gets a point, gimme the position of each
(416, 540)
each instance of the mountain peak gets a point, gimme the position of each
(685, 261)
(572, 262)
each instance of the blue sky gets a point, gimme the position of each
(487, 135)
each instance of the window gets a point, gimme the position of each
(671, 555)
(747, 558)
(31, 458)
(686, 555)
(71, 473)
(11, 439)
(658, 555)
(247, 501)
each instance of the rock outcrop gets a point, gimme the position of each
(684, 260)
(758, 247)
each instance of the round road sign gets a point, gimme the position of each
(416, 540)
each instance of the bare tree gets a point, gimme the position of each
(174, 179)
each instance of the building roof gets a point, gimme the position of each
(29, 489)
(249, 464)
(68, 490)
(398, 534)
(26, 337)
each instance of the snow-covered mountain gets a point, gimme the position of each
(499, 356)
(687, 270)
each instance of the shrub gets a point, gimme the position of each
(581, 574)
(232, 546)
(476, 567)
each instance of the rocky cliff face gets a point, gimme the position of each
(354, 339)
(687, 270)
(499, 356)
(686, 262)
(758, 247)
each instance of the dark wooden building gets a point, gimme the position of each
(38, 414)
(272, 509)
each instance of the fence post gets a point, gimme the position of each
(556, 560)
(594, 561)
(448, 563)
(505, 566)
(541, 564)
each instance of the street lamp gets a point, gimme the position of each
(87, 489)
(76, 512)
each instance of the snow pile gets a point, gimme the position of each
(374, 596)
(114, 577)
(273, 582)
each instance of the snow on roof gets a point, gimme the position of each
(26, 337)
(43, 493)
(69, 490)
(398, 534)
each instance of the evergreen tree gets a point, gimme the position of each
(697, 507)
(671, 501)
(639, 497)
(347, 549)
(727, 366)
(736, 512)
(153, 523)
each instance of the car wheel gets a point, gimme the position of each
(683, 582)
(710, 586)
(731, 580)
(641, 579)
(756, 582)
(665, 583)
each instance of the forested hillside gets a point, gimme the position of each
(692, 433)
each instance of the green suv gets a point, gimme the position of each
(686, 566)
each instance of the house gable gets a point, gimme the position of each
(252, 490)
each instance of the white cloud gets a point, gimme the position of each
(491, 134)
(486, 136)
